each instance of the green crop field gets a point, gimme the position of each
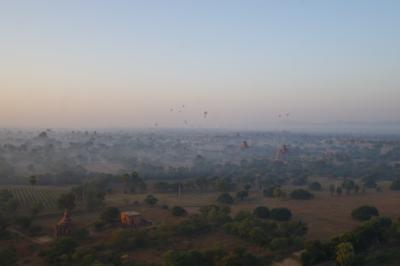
(28, 195)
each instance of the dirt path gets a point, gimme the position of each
(288, 262)
(38, 240)
(293, 260)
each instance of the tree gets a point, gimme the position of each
(8, 203)
(269, 191)
(37, 207)
(247, 187)
(364, 213)
(151, 200)
(332, 189)
(240, 258)
(348, 185)
(178, 211)
(339, 191)
(225, 198)
(301, 194)
(58, 249)
(110, 214)
(356, 189)
(66, 201)
(242, 195)
(345, 254)
(280, 214)
(32, 180)
(126, 178)
(315, 186)
(137, 184)
(215, 215)
(279, 243)
(278, 193)
(8, 256)
(370, 183)
(23, 221)
(183, 258)
(261, 212)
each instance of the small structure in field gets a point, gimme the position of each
(64, 226)
(132, 218)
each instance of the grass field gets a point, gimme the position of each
(325, 215)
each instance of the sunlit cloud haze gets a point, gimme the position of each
(127, 63)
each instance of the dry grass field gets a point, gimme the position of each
(325, 215)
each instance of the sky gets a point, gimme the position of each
(127, 63)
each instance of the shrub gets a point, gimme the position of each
(242, 194)
(269, 191)
(225, 198)
(242, 215)
(364, 213)
(110, 214)
(151, 200)
(301, 181)
(23, 221)
(395, 185)
(8, 255)
(178, 211)
(315, 186)
(280, 214)
(370, 183)
(279, 243)
(301, 194)
(178, 258)
(261, 212)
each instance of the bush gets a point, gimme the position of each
(180, 258)
(215, 215)
(80, 234)
(225, 198)
(280, 214)
(178, 211)
(8, 256)
(151, 200)
(301, 194)
(269, 191)
(301, 181)
(315, 186)
(279, 243)
(23, 221)
(364, 213)
(242, 194)
(395, 185)
(242, 215)
(110, 214)
(370, 183)
(261, 212)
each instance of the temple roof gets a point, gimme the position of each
(131, 213)
(66, 219)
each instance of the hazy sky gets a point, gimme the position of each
(126, 63)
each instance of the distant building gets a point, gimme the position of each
(132, 218)
(64, 226)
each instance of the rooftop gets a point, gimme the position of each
(131, 213)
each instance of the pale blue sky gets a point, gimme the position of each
(126, 63)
